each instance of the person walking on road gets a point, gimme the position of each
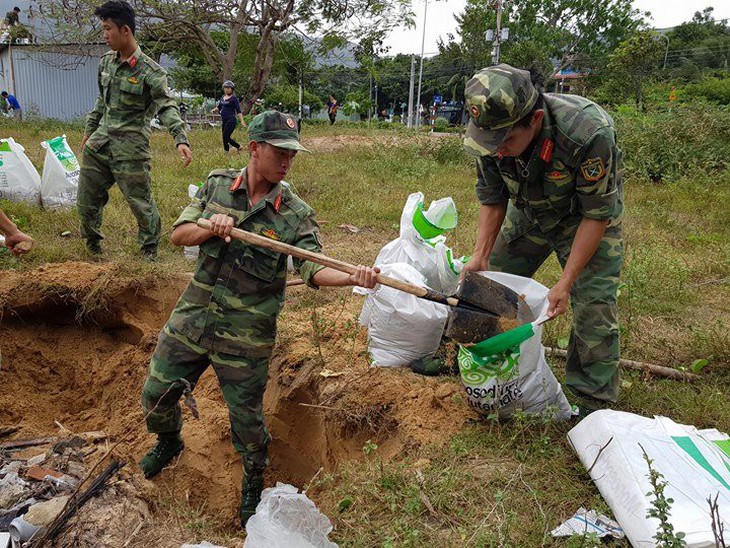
(229, 108)
(227, 316)
(116, 144)
(549, 173)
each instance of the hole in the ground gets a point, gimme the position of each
(89, 377)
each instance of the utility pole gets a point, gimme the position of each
(370, 98)
(420, 72)
(377, 112)
(410, 92)
(495, 49)
(301, 93)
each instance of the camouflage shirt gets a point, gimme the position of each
(237, 291)
(575, 169)
(130, 94)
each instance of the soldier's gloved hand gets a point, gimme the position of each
(558, 299)
(365, 276)
(185, 154)
(221, 225)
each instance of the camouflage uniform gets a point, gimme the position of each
(118, 148)
(573, 172)
(227, 315)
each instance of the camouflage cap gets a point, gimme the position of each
(275, 128)
(496, 98)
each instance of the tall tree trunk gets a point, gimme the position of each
(262, 66)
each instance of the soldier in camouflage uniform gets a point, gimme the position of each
(116, 146)
(549, 174)
(227, 315)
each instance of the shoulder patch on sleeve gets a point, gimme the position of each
(593, 169)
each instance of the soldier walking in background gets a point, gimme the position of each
(116, 146)
(549, 174)
(227, 315)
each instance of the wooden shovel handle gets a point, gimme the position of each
(318, 258)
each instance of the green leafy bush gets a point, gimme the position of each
(716, 90)
(689, 139)
(440, 124)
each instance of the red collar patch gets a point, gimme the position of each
(277, 203)
(132, 61)
(546, 152)
(237, 183)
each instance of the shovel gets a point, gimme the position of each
(481, 308)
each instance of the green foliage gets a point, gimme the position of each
(715, 90)
(542, 30)
(288, 96)
(698, 365)
(661, 507)
(702, 43)
(440, 124)
(690, 139)
(356, 102)
(634, 62)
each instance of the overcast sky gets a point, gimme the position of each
(440, 20)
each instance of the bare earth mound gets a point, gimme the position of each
(76, 341)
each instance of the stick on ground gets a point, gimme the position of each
(658, 370)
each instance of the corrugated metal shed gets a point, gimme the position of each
(51, 82)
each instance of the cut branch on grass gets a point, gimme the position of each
(659, 370)
(599, 454)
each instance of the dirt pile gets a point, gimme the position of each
(76, 340)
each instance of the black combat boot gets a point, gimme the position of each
(253, 484)
(168, 447)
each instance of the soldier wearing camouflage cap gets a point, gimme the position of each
(116, 146)
(549, 178)
(227, 315)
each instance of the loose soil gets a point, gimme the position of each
(76, 340)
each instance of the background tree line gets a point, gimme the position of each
(265, 46)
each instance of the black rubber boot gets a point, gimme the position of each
(253, 484)
(168, 447)
(149, 252)
(93, 247)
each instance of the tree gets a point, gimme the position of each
(635, 61)
(541, 30)
(703, 42)
(196, 22)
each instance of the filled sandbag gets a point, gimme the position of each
(19, 179)
(60, 182)
(508, 372)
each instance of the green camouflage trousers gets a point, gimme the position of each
(593, 350)
(99, 171)
(242, 381)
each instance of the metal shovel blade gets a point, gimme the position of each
(486, 308)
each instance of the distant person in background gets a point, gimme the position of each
(14, 238)
(12, 18)
(13, 106)
(332, 107)
(230, 109)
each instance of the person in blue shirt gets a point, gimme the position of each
(230, 109)
(12, 103)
